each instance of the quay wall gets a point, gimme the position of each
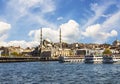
(22, 59)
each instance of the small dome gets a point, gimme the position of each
(48, 40)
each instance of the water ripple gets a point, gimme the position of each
(59, 73)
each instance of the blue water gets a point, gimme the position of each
(59, 73)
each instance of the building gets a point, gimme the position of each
(5, 51)
(116, 43)
(0, 52)
(27, 52)
(17, 50)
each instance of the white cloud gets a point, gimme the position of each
(47, 6)
(106, 16)
(112, 22)
(43, 22)
(114, 33)
(3, 37)
(96, 33)
(98, 12)
(17, 9)
(23, 6)
(70, 33)
(4, 27)
(59, 18)
(2, 43)
(21, 43)
(109, 28)
(91, 31)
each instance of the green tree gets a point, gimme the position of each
(107, 51)
(71, 52)
(15, 54)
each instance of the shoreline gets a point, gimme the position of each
(23, 59)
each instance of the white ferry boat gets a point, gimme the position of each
(93, 59)
(78, 57)
(71, 59)
(101, 59)
(110, 59)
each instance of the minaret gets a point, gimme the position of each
(116, 38)
(60, 40)
(41, 38)
(40, 41)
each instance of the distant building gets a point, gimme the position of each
(13, 49)
(27, 52)
(5, 51)
(63, 52)
(0, 52)
(116, 43)
(46, 55)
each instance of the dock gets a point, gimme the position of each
(18, 59)
(22, 59)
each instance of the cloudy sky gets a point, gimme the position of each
(87, 21)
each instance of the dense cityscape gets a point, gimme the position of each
(51, 50)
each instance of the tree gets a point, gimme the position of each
(107, 51)
(15, 54)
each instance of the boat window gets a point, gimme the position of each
(81, 52)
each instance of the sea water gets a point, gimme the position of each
(59, 73)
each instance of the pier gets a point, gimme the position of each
(18, 59)
(22, 59)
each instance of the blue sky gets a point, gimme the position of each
(88, 21)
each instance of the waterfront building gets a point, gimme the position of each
(45, 55)
(17, 50)
(27, 51)
(5, 51)
(63, 52)
(0, 52)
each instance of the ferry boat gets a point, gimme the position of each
(78, 57)
(101, 59)
(93, 59)
(87, 56)
(71, 59)
(110, 59)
